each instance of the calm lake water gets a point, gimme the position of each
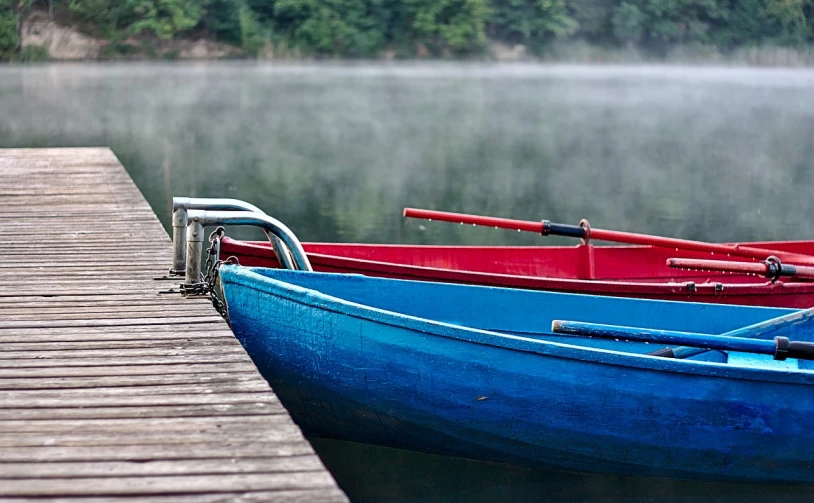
(336, 151)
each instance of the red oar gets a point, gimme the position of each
(586, 232)
(771, 268)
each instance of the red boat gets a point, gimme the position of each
(628, 271)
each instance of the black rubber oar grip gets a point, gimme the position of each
(801, 350)
(552, 229)
(793, 349)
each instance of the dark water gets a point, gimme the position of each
(336, 151)
(376, 474)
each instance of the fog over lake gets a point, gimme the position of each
(337, 150)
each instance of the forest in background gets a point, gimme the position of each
(420, 28)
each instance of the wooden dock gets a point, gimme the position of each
(110, 390)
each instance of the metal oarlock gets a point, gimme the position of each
(198, 219)
(180, 219)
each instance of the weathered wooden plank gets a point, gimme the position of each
(300, 463)
(81, 252)
(91, 286)
(53, 299)
(44, 290)
(86, 226)
(96, 334)
(103, 369)
(157, 436)
(141, 251)
(138, 217)
(76, 241)
(170, 484)
(110, 400)
(109, 314)
(53, 263)
(104, 280)
(38, 382)
(81, 231)
(141, 411)
(93, 300)
(74, 238)
(83, 225)
(68, 206)
(242, 391)
(116, 360)
(35, 273)
(48, 291)
(125, 304)
(112, 322)
(142, 254)
(189, 350)
(173, 343)
(321, 495)
(42, 190)
(151, 312)
(79, 235)
(152, 452)
(46, 258)
(200, 424)
(20, 214)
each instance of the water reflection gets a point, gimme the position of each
(377, 474)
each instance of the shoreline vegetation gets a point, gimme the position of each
(724, 32)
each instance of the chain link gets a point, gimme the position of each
(209, 279)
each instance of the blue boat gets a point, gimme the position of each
(476, 372)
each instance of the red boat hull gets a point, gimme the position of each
(627, 271)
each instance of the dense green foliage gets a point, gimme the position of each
(366, 28)
(161, 18)
(8, 33)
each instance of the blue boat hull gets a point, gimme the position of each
(421, 366)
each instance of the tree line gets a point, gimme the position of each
(408, 28)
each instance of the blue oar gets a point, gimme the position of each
(780, 348)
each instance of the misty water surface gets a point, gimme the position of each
(336, 151)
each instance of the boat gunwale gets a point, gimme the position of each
(265, 244)
(520, 281)
(246, 277)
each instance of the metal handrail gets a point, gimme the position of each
(180, 219)
(198, 219)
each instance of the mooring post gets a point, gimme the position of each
(194, 238)
(179, 245)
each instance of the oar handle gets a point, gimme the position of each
(771, 268)
(585, 232)
(543, 227)
(794, 349)
(780, 348)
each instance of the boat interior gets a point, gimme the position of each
(530, 313)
